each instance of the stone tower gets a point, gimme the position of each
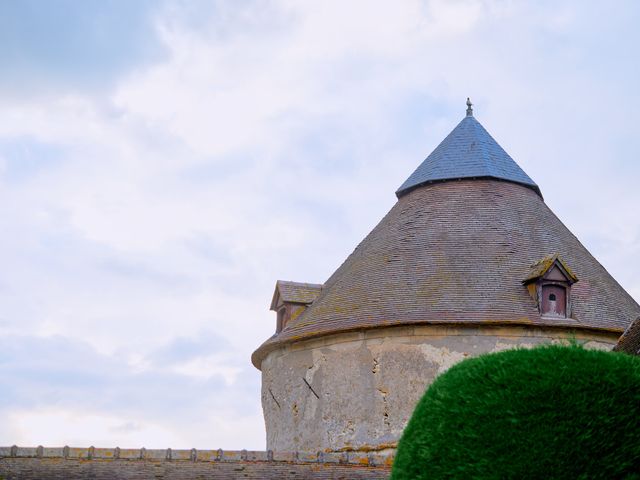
(469, 260)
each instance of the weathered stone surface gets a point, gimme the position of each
(78, 453)
(356, 391)
(26, 452)
(129, 453)
(180, 454)
(155, 454)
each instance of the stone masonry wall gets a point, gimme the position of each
(140, 464)
(356, 391)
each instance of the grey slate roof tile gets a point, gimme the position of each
(629, 341)
(467, 152)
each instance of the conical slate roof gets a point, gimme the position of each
(457, 252)
(467, 152)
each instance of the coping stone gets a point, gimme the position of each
(129, 453)
(285, 456)
(26, 452)
(307, 457)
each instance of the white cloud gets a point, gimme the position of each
(59, 427)
(64, 427)
(208, 367)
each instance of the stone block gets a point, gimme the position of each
(27, 452)
(129, 453)
(207, 455)
(180, 454)
(155, 454)
(78, 453)
(333, 457)
(285, 457)
(308, 457)
(358, 458)
(376, 459)
(231, 455)
(256, 455)
(100, 453)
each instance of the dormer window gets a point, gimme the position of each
(291, 299)
(549, 283)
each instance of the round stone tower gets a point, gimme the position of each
(469, 260)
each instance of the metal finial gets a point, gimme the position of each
(469, 109)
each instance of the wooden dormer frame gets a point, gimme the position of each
(550, 272)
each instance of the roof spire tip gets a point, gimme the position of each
(469, 109)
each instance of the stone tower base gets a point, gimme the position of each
(356, 391)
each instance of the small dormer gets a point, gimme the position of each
(549, 283)
(290, 299)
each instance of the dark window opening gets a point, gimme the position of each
(552, 297)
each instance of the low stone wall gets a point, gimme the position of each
(115, 463)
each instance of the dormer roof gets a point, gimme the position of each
(294, 292)
(545, 268)
(467, 152)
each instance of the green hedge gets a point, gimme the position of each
(549, 412)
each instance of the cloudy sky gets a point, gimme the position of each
(163, 163)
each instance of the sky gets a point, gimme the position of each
(163, 163)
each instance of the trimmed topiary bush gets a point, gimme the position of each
(549, 412)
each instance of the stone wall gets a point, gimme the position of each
(356, 391)
(140, 464)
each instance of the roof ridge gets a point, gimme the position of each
(478, 128)
(292, 282)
